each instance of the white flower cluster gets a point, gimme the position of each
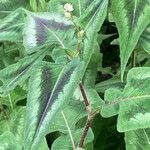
(68, 8)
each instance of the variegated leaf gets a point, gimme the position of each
(11, 26)
(50, 89)
(131, 18)
(46, 28)
(91, 21)
(16, 74)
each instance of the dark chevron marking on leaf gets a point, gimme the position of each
(42, 24)
(16, 73)
(21, 71)
(137, 10)
(51, 96)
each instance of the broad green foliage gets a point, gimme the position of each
(114, 82)
(65, 62)
(131, 18)
(11, 26)
(134, 103)
(16, 74)
(96, 14)
(38, 5)
(52, 92)
(8, 141)
(110, 108)
(46, 28)
(145, 39)
(67, 144)
(137, 139)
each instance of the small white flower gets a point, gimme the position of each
(68, 7)
(67, 14)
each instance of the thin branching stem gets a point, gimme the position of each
(90, 116)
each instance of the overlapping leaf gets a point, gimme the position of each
(11, 26)
(138, 139)
(16, 74)
(8, 141)
(145, 39)
(6, 6)
(73, 113)
(131, 18)
(38, 5)
(134, 112)
(92, 20)
(46, 28)
(110, 107)
(50, 89)
(64, 142)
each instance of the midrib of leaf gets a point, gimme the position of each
(134, 13)
(69, 130)
(97, 10)
(16, 25)
(79, 4)
(25, 69)
(128, 98)
(146, 136)
(129, 17)
(52, 96)
(58, 39)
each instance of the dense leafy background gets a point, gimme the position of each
(45, 55)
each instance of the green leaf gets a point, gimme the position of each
(110, 107)
(14, 123)
(17, 120)
(38, 5)
(95, 12)
(8, 142)
(145, 39)
(95, 15)
(65, 121)
(11, 26)
(46, 28)
(114, 82)
(11, 99)
(50, 89)
(64, 143)
(7, 6)
(89, 82)
(73, 113)
(134, 104)
(16, 74)
(131, 18)
(138, 139)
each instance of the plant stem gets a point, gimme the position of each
(90, 116)
(133, 63)
(85, 132)
(86, 102)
